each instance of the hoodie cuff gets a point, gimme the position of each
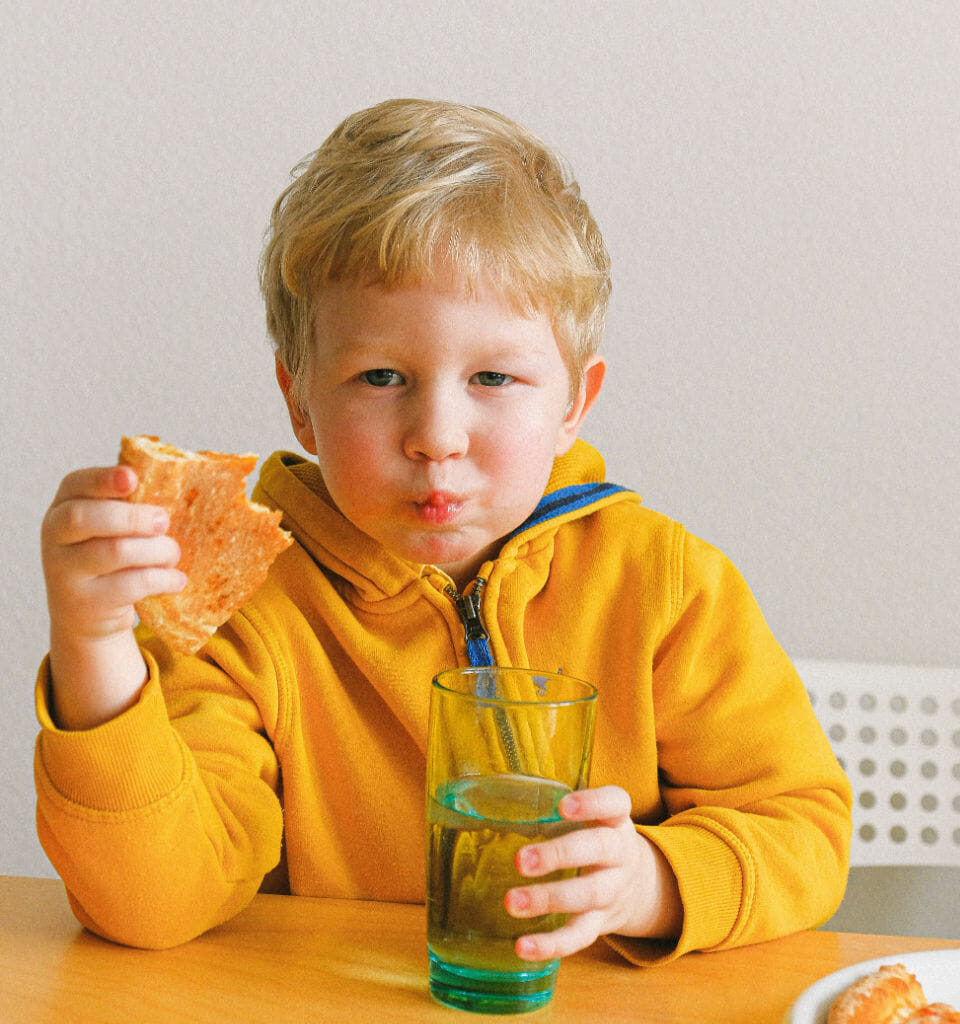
(129, 762)
(711, 877)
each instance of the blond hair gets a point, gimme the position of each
(409, 185)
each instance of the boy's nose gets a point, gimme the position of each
(437, 429)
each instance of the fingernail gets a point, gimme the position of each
(526, 948)
(571, 804)
(161, 521)
(518, 899)
(530, 858)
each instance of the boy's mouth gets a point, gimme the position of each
(439, 507)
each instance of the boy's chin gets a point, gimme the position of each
(461, 564)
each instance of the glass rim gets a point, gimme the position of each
(476, 670)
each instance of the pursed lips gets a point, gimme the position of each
(439, 506)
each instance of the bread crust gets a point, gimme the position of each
(227, 543)
(888, 996)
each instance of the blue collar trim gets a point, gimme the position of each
(567, 499)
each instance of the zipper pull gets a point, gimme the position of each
(468, 606)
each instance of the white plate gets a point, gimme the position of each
(937, 971)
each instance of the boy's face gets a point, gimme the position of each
(435, 415)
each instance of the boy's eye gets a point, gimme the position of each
(490, 379)
(381, 378)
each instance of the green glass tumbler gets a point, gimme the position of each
(505, 745)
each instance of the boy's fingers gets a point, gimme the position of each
(97, 482)
(580, 931)
(584, 848)
(107, 603)
(92, 503)
(603, 804)
(132, 585)
(76, 520)
(103, 556)
(592, 891)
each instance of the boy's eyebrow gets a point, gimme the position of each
(341, 344)
(396, 351)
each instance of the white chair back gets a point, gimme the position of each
(896, 731)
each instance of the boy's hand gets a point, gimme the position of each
(625, 884)
(101, 554)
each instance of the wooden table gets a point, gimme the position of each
(292, 959)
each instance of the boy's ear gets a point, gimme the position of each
(590, 385)
(302, 427)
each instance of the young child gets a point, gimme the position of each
(436, 289)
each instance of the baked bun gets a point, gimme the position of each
(935, 1013)
(227, 543)
(888, 996)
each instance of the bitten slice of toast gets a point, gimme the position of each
(227, 543)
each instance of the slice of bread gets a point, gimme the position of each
(227, 543)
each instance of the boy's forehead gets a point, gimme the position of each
(350, 312)
(440, 277)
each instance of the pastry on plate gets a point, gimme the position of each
(890, 995)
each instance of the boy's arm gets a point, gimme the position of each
(163, 821)
(160, 818)
(758, 827)
(755, 844)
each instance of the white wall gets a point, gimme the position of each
(779, 185)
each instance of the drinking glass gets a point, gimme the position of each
(504, 746)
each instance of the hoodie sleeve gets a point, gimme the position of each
(163, 821)
(758, 826)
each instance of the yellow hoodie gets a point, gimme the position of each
(314, 697)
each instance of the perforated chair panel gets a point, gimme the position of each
(896, 732)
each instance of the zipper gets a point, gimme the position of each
(474, 632)
(468, 608)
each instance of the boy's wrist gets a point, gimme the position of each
(660, 913)
(94, 680)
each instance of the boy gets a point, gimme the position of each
(435, 288)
